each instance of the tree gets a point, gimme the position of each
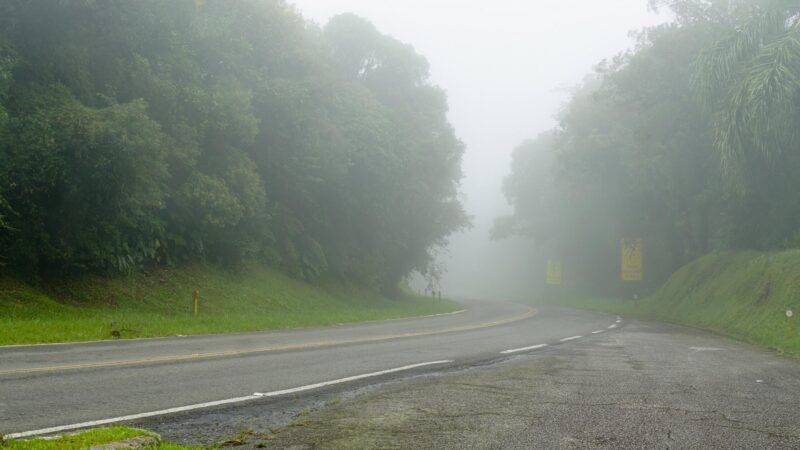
(629, 159)
(155, 133)
(418, 182)
(751, 80)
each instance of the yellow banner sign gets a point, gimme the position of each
(553, 273)
(631, 259)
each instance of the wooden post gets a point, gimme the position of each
(195, 302)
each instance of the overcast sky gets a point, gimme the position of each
(507, 66)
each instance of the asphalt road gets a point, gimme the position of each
(51, 388)
(645, 386)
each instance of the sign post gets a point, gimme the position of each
(789, 324)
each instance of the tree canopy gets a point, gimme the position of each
(154, 133)
(688, 141)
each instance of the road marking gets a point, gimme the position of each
(346, 380)
(611, 327)
(570, 338)
(227, 353)
(523, 349)
(257, 395)
(344, 324)
(598, 331)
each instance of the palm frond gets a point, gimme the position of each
(719, 65)
(759, 111)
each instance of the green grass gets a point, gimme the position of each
(85, 440)
(159, 304)
(743, 295)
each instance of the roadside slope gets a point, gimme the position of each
(743, 295)
(159, 304)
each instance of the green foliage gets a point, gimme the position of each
(141, 133)
(88, 439)
(83, 181)
(7, 62)
(749, 81)
(751, 78)
(638, 153)
(744, 295)
(629, 159)
(158, 303)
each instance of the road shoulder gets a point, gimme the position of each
(646, 386)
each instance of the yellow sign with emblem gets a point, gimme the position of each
(631, 260)
(553, 273)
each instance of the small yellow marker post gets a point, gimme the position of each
(195, 302)
(789, 324)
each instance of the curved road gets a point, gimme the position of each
(51, 388)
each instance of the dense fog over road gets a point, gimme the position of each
(399, 223)
(507, 67)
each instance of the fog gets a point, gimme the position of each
(507, 66)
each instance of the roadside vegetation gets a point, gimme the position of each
(689, 142)
(86, 439)
(159, 303)
(161, 134)
(743, 295)
(151, 148)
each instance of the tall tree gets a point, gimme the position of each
(750, 81)
(151, 132)
(630, 158)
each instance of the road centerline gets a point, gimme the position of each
(530, 312)
(571, 338)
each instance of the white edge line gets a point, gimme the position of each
(345, 380)
(598, 331)
(571, 338)
(517, 350)
(611, 327)
(257, 395)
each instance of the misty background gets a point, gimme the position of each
(507, 67)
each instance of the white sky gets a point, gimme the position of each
(507, 66)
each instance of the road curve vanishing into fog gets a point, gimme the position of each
(61, 387)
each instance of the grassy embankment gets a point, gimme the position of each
(159, 304)
(86, 439)
(743, 295)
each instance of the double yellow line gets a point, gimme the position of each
(228, 353)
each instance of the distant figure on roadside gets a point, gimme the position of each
(439, 293)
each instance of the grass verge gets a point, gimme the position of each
(743, 295)
(160, 304)
(86, 439)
